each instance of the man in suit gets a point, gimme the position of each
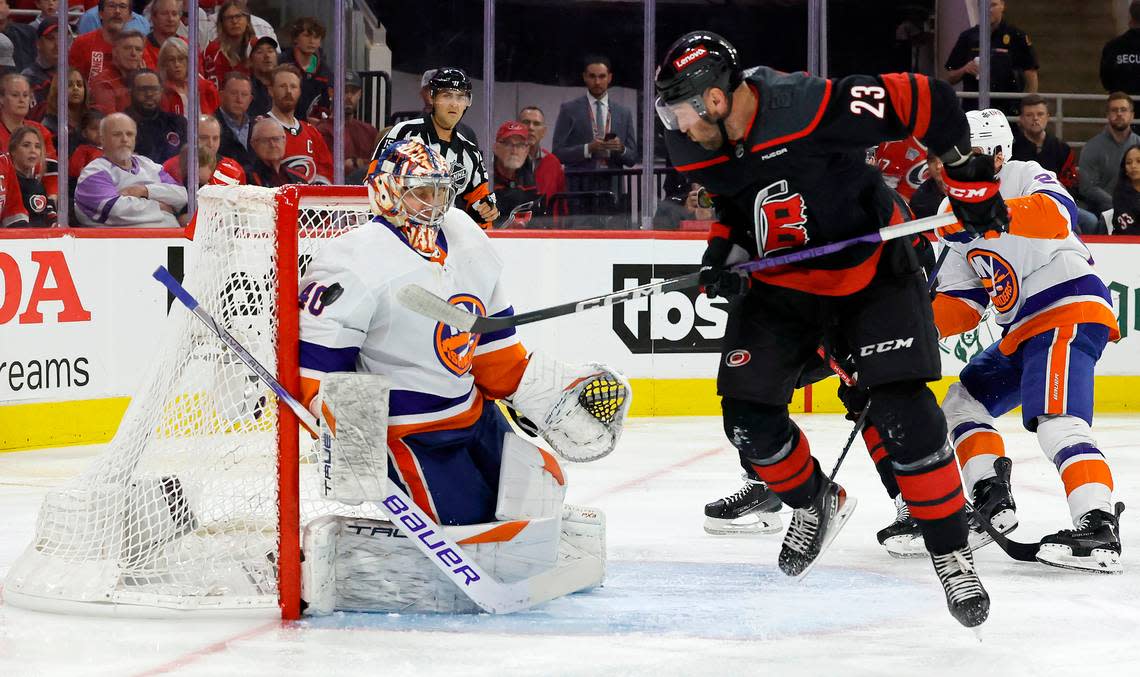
(595, 132)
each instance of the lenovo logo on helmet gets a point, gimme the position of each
(689, 57)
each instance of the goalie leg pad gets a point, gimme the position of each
(532, 484)
(584, 538)
(578, 409)
(354, 433)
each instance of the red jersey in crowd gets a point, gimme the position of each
(90, 53)
(226, 173)
(903, 164)
(215, 65)
(306, 152)
(108, 91)
(208, 99)
(12, 211)
(84, 153)
(48, 168)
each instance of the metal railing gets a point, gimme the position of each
(1058, 116)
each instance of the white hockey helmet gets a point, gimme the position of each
(410, 184)
(990, 131)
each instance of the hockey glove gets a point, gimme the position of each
(972, 190)
(715, 276)
(854, 400)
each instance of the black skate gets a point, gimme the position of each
(965, 597)
(754, 509)
(1093, 546)
(993, 501)
(814, 528)
(903, 537)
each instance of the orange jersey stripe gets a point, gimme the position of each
(411, 475)
(1057, 370)
(953, 315)
(497, 534)
(1080, 312)
(550, 465)
(477, 194)
(497, 373)
(1037, 216)
(461, 420)
(1092, 471)
(309, 389)
(978, 444)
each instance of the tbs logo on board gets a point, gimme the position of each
(675, 322)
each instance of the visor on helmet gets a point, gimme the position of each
(681, 115)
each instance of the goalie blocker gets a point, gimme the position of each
(359, 564)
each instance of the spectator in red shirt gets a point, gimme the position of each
(231, 49)
(12, 212)
(15, 101)
(165, 20)
(76, 107)
(305, 149)
(27, 150)
(209, 139)
(174, 68)
(91, 52)
(548, 173)
(90, 143)
(359, 136)
(109, 89)
(269, 168)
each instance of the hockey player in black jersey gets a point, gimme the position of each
(783, 155)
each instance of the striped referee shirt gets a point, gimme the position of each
(461, 153)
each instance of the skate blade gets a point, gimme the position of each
(906, 547)
(748, 525)
(1100, 561)
(841, 518)
(1004, 522)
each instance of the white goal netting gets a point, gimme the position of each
(181, 511)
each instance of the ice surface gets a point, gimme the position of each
(676, 602)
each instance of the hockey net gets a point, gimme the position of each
(197, 502)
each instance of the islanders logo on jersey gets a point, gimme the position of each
(455, 349)
(998, 278)
(780, 218)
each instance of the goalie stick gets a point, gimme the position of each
(425, 303)
(488, 593)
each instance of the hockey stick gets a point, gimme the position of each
(425, 303)
(486, 592)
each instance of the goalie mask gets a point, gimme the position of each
(410, 186)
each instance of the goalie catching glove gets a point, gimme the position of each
(578, 409)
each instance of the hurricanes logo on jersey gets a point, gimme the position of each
(780, 218)
(455, 349)
(998, 278)
(303, 165)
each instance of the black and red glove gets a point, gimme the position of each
(716, 277)
(972, 190)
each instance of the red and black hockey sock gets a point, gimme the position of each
(792, 472)
(933, 492)
(880, 458)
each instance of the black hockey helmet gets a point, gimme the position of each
(449, 78)
(695, 62)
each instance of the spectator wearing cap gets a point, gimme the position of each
(174, 69)
(425, 94)
(262, 63)
(233, 114)
(109, 89)
(548, 173)
(359, 136)
(268, 167)
(515, 188)
(231, 49)
(15, 102)
(41, 72)
(159, 135)
(92, 19)
(22, 35)
(27, 150)
(91, 52)
(306, 35)
(123, 188)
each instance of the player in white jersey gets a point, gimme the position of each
(448, 444)
(1056, 318)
